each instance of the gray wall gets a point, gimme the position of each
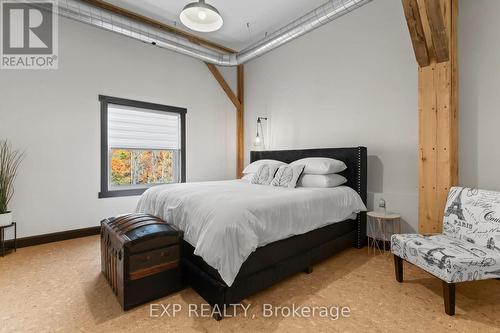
(479, 93)
(54, 117)
(352, 82)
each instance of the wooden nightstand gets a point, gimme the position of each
(378, 229)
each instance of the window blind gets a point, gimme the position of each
(136, 128)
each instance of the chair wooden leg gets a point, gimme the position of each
(398, 268)
(217, 316)
(449, 298)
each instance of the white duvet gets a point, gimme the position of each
(225, 221)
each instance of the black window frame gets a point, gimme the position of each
(105, 101)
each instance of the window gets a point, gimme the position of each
(142, 145)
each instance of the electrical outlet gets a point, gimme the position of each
(381, 203)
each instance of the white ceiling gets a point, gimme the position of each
(263, 16)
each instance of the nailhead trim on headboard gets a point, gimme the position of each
(359, 192)
(356, 172)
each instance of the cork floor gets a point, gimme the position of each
(57, 287)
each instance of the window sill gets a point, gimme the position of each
(121, 193)
(129, 192)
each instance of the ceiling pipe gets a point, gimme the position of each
(86, 13)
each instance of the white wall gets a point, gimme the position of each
(479, 61)
(351, 82)
(54, 117)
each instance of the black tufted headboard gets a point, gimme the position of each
(356, 172)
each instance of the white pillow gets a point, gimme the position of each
(331, 180)
(321, 165)
(254, 166)
(287, 175)
(265, 174)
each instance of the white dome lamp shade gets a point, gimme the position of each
(202, 17)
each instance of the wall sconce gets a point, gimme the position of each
(259, 137)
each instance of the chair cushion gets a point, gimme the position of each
(447, 258)
(473, 216)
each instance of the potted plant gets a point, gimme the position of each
(9, 164)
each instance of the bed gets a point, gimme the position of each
(241, 238)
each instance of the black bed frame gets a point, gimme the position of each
(278, 260)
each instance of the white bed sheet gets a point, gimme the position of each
(225, 221)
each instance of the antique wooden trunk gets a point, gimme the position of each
(140, 257)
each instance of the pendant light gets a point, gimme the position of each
(259, 137)
(202, 17)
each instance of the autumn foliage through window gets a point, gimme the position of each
(141, 167)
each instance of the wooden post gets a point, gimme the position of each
(437, 104)
(438, 118)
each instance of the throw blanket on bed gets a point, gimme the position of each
(226, 221)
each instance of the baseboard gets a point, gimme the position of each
(77, 233)
(54, 237)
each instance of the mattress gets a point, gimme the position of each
(225, 221)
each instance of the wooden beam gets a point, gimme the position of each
(438, 128)
(227, 89)
(416, 30)
(438, 31)
(240, 124)
(157, 24)
(238, 101)
(427, 29)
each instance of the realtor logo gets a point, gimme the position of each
(29, 34)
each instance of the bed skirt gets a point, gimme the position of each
(268, 264)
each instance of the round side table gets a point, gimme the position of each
(2, 237)
(377, 224)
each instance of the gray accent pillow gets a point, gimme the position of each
(254, 166)
(265, 174)
(248, 177)
(287, 175)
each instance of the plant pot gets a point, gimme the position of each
(5, 219)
